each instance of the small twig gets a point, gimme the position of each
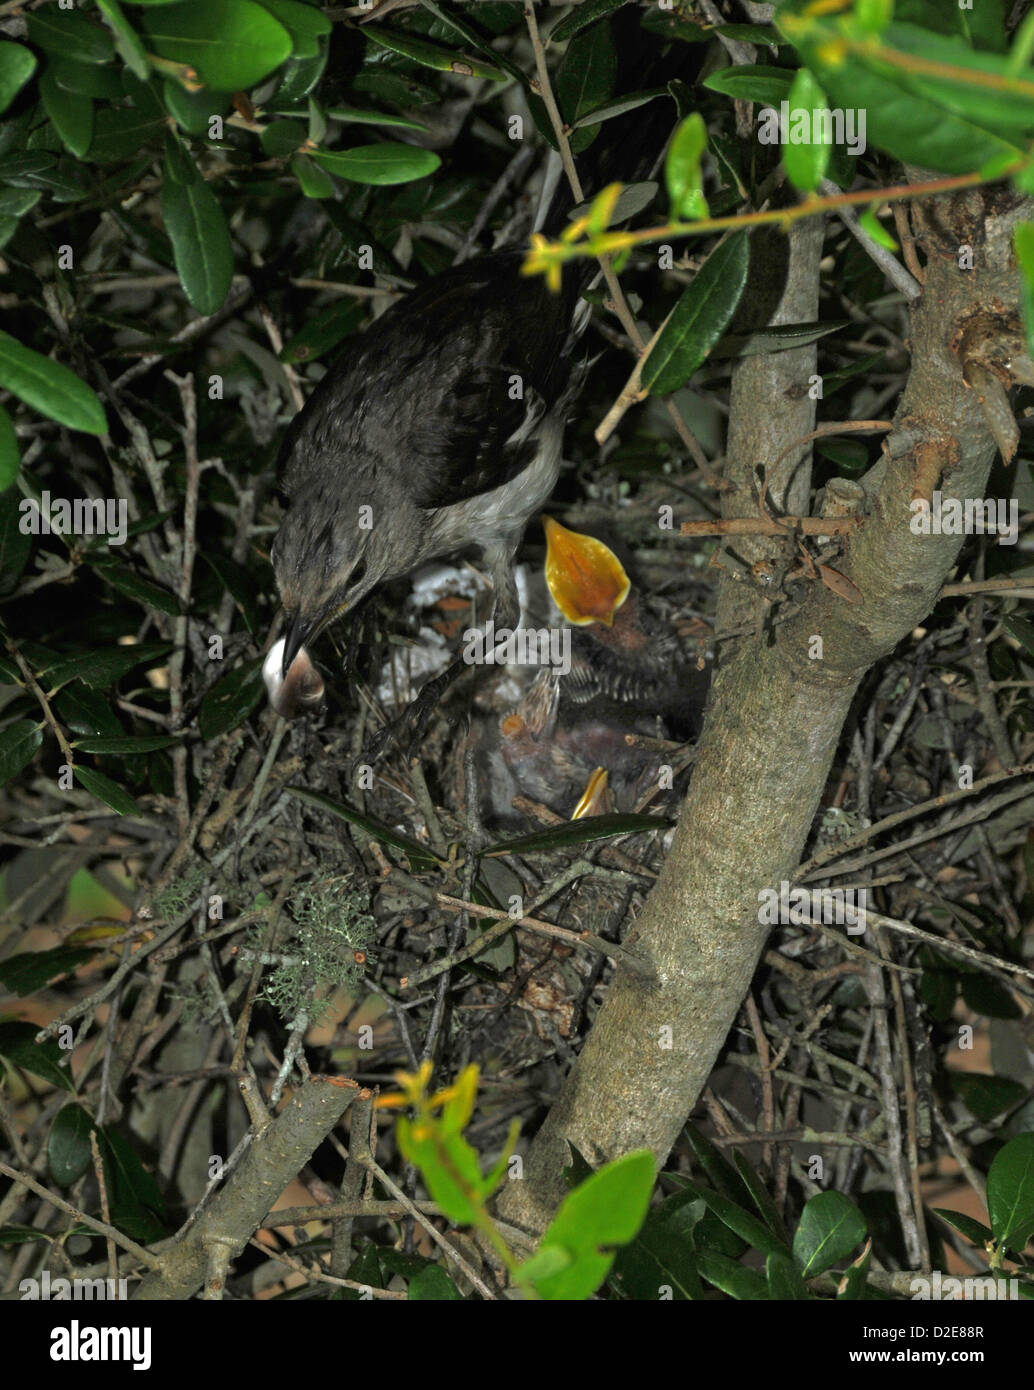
(101, 1227)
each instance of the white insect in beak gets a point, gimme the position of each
(300, 691)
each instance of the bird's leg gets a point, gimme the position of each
(506, 605)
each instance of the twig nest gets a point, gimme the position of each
(300, 691)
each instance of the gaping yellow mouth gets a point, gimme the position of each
(587, 580)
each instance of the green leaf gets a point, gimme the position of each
(420, 857)
(17, 64)
(71, 114)
(379, 164)
(1010, 1192)
(776, 338)
(988, 996)
(431, 55)
(585, 79)
(104, 665)
(732, 1278)
(126, 745)
(805, 163)
(18, 1045)
(10, 458)
(49, 387)
(31, 970)
(852, 1285)
(433, 1285)
(760, 1196)
(605, 1211)
(85, 711)
(662, 1256)
(746, 1226)
(581, 17)
(281, 138)
(721, 1174)
(579, 832)
(135, 586)
(306, 25)
(312, 180)
(121, 132)
(986, 1096)
(975, 1231)
(230, 44)
(324, 331)
(200, 237)
(231, 700)
(752, 82)
(137, 1208)
(354, 115)
(193, 111)
(784, 1279)
(682, 172)
(618, 107)
(21, 1235)
(69, 34)
(19, 743)
(86, 79)
(15, 544)
(873, 227)
(700, 317)
(127, 40)
(830, 1228)
(68, 1145)
(102, 787)
(1023, 241)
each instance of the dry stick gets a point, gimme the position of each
(833, 427)
(1022, 588)
(617, 296)
(101, 1227)
(910, 1117)
(34, 686)
(98, 1173)
(891, 1115)
(772, 526)
(635, 963)
(942, 943)
(369, 1162)
(185, 386)
(935, 803)
(317, 1275)
(276, 342)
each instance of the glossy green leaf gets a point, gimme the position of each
(994, 98)
(701, 316)
(579, 832)
(355, 115)
(662, 1256)
(852, 1284)
(137, 1208)
(87, 79)
(759, 82)
(49, 387)
(125, 744)
(379, 164)
(420, 857)
(102, 787)
(281, 138)
(69, 34)
(32, 970)
(433, 1285)
(230, 44)
(776, 338)
(747, 1226)
(312, 180)
(585, 80)
(231, 700)
(1010, 1192)
(604, 1212)
(200, 239)
(618, 107)
(973, 1230)
(18, 1045)
(805, 162)
(19, 743)
(103, 666)
(71, 114)
(120, 132)
(987, 1096)
(830, 1229)
(87, 712)
(733, 1279)
(306, 24)
(193, 111)
(682, 172)
(431, 55)
(10, 458)
(69, 1154)
(17, 64)
(784, 1279)
(1023, 242)
(324, 331)
(581, 17)
(127, 41)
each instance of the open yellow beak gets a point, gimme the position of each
(585, 577)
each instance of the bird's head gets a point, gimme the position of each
(325, 561)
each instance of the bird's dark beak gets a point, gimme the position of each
(294, 640)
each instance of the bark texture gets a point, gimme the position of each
(776, 711)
